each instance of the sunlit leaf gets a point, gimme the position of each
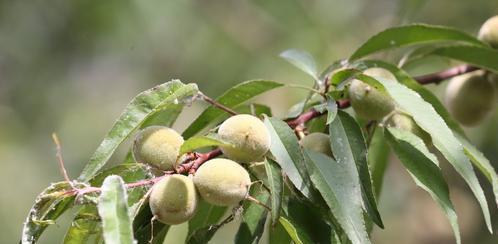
(423, 167)
(412, 35)
(113, 210)
(302, 60)
(483, 57)
(140, 108)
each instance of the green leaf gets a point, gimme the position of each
(279, 235)
(197, 142)
(113, 210)
(378, 159)
(231, 98)
(142, 227)
(423, 167)
(331, 109)
(442, 137)
(297, 235)
(285, 147)
(339, 185)
(483, 57)
(48, 206)
(140, 108)
(253, 218)
(412, 35)
(207, 215)
(165, 117)
(482, 163)
(275, 182)
(348, 145)
(86, 223)
(302, 60)
(409, 82)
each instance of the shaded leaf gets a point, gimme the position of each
(279, 235)
(412, 35)
(275, 182)
(442, 137)
(339, 185)
(350, 150)
(483, 57)
(423, 167)
(140, 108)
(253, 217)
(142, 227)
(231, 98)
(297, 235)
(113, 210)
(207, 214)
(302, 60)
(378, 159)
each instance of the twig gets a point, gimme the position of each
(445, 74)
(254, 200)
(58, 154)
(217, 104)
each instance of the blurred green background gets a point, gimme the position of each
(71, 67)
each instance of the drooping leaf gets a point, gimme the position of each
(86, 223)
(231, 98)
(423, 167)
(140, 108)
(113, 210)
(49, 205)
(482, 163)
(302, 60)
(285, 147)
(483, 57)
(412, 35)
(207, 215)
(165, 117)
(409, 82)
(378, 159)
(340, 187)
(442, 137)
(253, 218)
(279, 235)
(297, 235)
(349, 147)
(275, 182)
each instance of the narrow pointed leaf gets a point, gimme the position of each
(412, 35)
(279, 235)
(483, 57)
(331, 110)
(482, 163)
(378, 159)
(207, 214)
(142, 226)
(350, 150)
(422, 166)
(285, 147)
(297, 235)
(49, 205)
(340, 188)
(231, 99)
(197, 142)
(302, 60)
(442, 137)
(253, 218)
(113, 210)
(275, 183)
(140, 108)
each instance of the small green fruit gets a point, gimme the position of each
(380, 73)
(489, 31)
(173, 200)
(405, 122)
(158, 146)
(317, 142)
(368, 102)
(222, 182)
(248, 137)
(470, 97)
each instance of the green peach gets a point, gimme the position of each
(405, 122)
(489, 31)
(368, 102)
(158, 146)
(222, 182)
(317, 142)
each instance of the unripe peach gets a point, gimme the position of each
(158, 146)
(405, 122)
(248, 137)
(222, 182)
(173, 200)
(489, 31)
(368, 102)
(317, 142)
(470, 97)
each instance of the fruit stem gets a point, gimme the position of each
(254, 200)
(58, 154)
